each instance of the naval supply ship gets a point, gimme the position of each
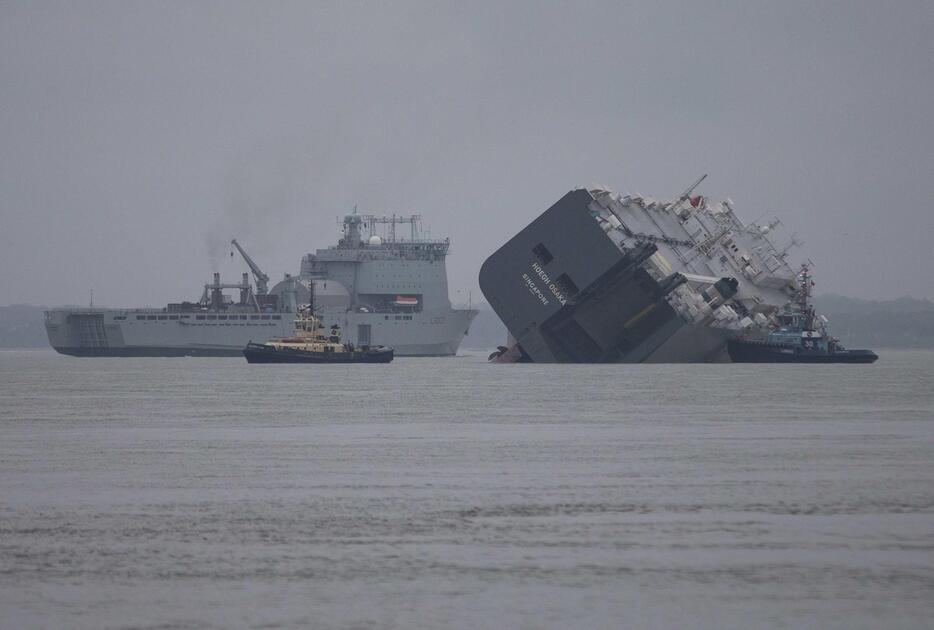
(380, 289)
(604, 277)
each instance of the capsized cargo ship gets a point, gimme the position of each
(604, 277)
(380, 289)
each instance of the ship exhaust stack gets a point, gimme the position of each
(290, 294)
(245, 290)
(217, 296)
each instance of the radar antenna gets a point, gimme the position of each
(262, 280)
(794, 243)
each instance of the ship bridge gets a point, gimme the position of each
(383, 264)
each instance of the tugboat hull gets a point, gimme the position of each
(262, 353)
(741, 351)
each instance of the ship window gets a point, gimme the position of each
(542, 254)
(184, 316)
(265, 317)
(254, 316)
(140, 317)
(243, 317)
(173, 316)
(151, 317)
(163, 317)
(277, 316)
(212, 316)
(199, 316)
(567, 286)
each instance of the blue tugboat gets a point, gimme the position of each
(800, 336)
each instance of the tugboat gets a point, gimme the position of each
(310, 344)
(799, 336)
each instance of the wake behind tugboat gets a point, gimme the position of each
(309, 344)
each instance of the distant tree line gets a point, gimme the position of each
(902, 323)
(22, 326)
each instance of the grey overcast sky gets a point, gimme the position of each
(133, 135)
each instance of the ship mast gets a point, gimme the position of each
(803, 296)
(686, 195)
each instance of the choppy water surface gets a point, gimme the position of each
(448, 492)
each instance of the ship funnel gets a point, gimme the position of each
(291, 293)
(217, 296)
(245, 289)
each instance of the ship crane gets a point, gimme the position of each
(262, 280)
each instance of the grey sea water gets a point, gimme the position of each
(175, 493)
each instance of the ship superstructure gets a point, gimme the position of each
(382, 290)
(386, 285)
(604, 277)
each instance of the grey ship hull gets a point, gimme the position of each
(151, 333)
(693, 343)
(144, 351)
(102, 333)
(426, 334)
